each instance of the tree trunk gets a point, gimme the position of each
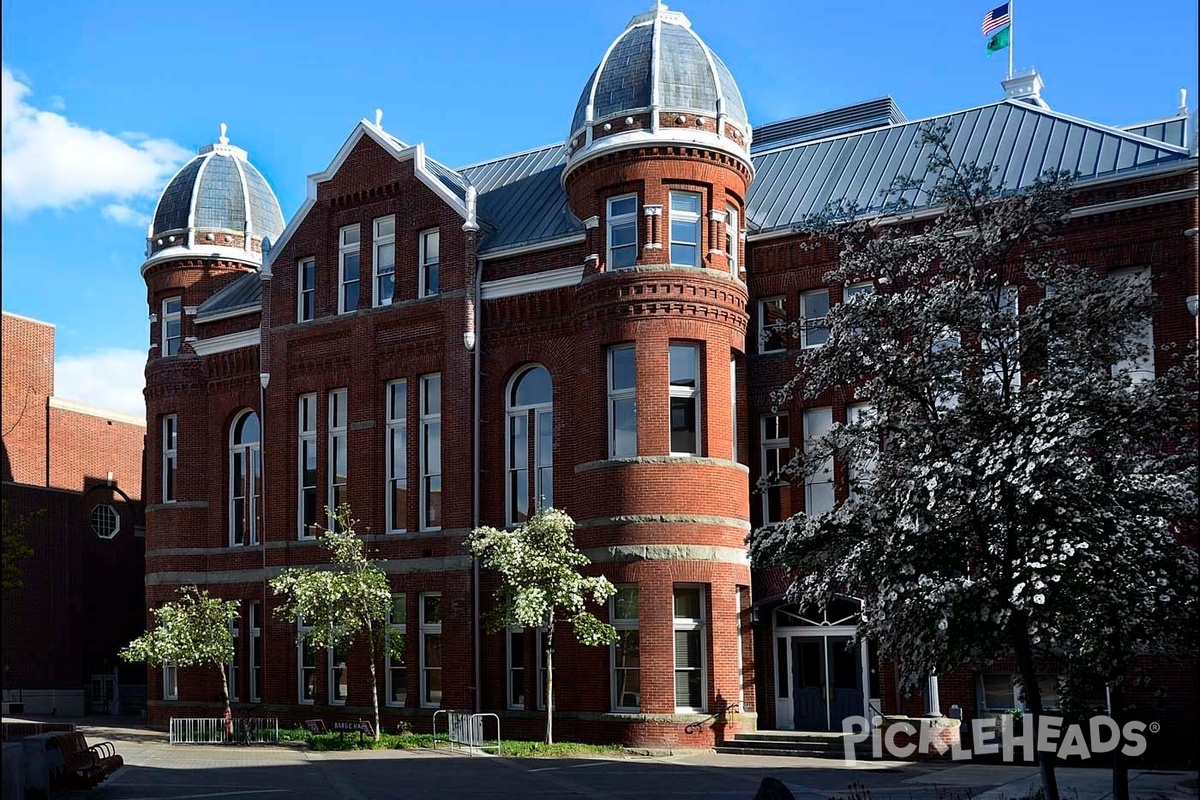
(1120, 766)
(374, 681)
(227, 718)
(550, 683)
(1033, 700)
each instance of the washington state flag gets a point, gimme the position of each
(998, 40)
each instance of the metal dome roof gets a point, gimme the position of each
(659, 62)
(219, 189)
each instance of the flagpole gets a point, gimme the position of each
(1011, 26)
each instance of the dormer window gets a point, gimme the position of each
(685, 229)
(622, 232)
(172, 325)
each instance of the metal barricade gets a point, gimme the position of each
(216, 730)
(467, 730)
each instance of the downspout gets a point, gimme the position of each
(471, 342)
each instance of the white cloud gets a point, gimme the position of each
(124, 215)
(50, 162)
(112, 378)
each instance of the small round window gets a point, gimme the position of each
(105, 521)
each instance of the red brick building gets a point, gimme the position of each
(75, 473)
(586, 324)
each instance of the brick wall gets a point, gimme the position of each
(28, 368)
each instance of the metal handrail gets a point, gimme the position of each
(692, 727)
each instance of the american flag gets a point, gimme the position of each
(997, 18)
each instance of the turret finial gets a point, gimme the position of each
(224, 139)
(379, 118)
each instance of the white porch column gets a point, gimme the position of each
(932, 701)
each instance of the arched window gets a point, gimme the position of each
(530, 410)
(245, 480)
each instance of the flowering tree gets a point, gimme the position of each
(192, 631)
(344, 602)
(540, 584)
(1019, 475)
(15, 547)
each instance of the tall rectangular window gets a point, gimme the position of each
(383, 241)
(691, 656)
(172, 325)
(170, 678)
(255, 656)
(429, 257)
(306, 666)
(306, 290)
(1005, 342)
(622, 402)
(622, 232)
(771, 321)
(397, 456)
(814, 311)
(338, 485)
(306, 466)
(625, 651)
(862, 464)
(337, 675)
(170, 456)
(776, 452)
(733, 415)
(431, 649)
(685, 229)
(1140, 366)
(515, 656)
(818, 487)
(541, 644)
(348, 269)
(732, 235)
(431, 452)
(684, 371)
(231, 669)
(397, 666)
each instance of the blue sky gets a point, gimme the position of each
(103, 101)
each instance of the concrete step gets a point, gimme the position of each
(792, 743)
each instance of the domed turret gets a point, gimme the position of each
(217, 200)
(658, 82)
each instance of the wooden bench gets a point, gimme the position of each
(84, 766)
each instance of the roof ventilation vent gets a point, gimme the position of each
(1027, 87)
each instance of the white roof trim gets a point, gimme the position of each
(690, 137)
(150, 227)
(96, 411)
(230, 341)
(1176, 117)
(498, 159)
(533, 247)
(527, 284)
(203, 250)
(399, 150)
(248, 225)
(236, 312)
(196, 191)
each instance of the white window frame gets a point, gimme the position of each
(817, 423)
(429, 418)
(852, 290)
(339, 427)
(620, 221)
(732, 238)
(302, 629)
(348, 248)
(427, 629)
(623, 624)
(426, 262)
(170, 458)
(1008, 303)
(396, 464)
(1140, 368)
(401, 628)
(689, 218)
(769, 444)
(542, 468)
(692, 393)
(512, 703)
(378, 242)
(306, 425)
(331, 671)
(169, 317)
(539, 644)
(231, 669)
(250, 453)
(765, 328)
(691, 624)
(859, 470)
(306, 289)
(811, 324)
(617, 395)
(170, 680)
(254, 654)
